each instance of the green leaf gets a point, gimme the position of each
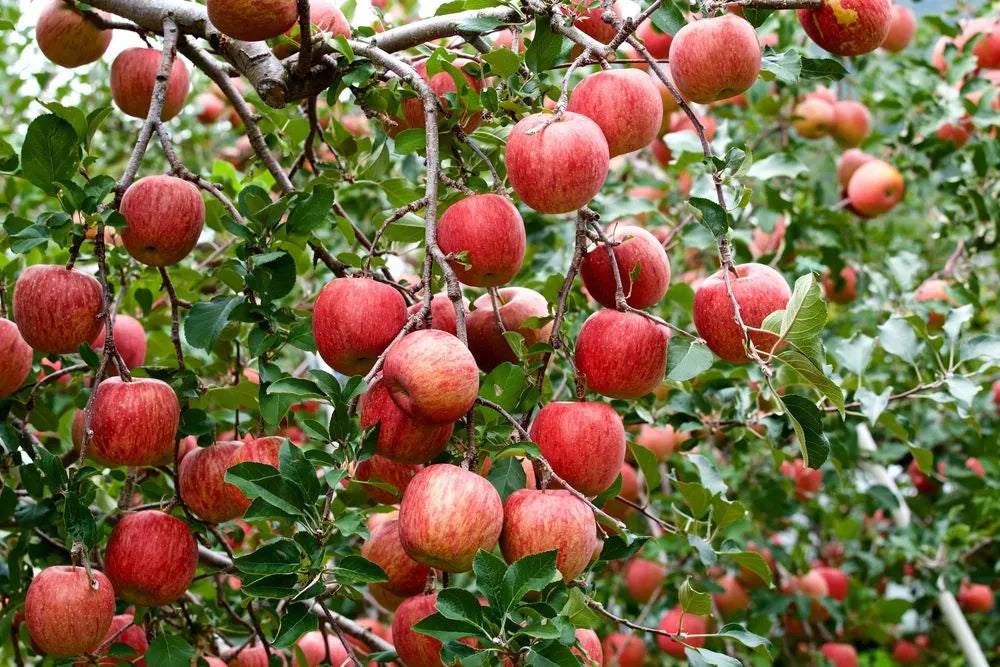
(280, 557)
(696, 497)
(257, 480)
(79, 520)
(709, 474)
(777, 165)
(298, 387)
(531, 573)
(686, 358)
(507, 476)
(855, 354)
(311, 210)
(446, 629)
(694, 601)
(807, 421)
(752, 561)
(169, 650)
(710, 214)
(815, 376)
(899, 339)
(984, 347)
(745, 637)
(822, 68)
(669, 18)
(410, 141)
(785, 66)
(503, 61)
(460, 605)
(578, 612)
(727, 512)
(205, 321)
(50, 152)
(704, 656)
(490, 572)
(545, 47)
(647, 463)
(298, 472)
(872, 404)
(359, 570)
(296, 620)
(802, 320)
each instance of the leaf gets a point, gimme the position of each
(531, 573)
(617, 547)
(311, 211)
(872, 404)
(785, 66)
(79, 520)
(280, 557)
(686, 358)
(169, 650)
(360, 570)
(507, 476)
(807, 421)
(545, 47)
(298, 387)
(459, 605)
(815, 376)
(696, 496)
(822, 68)
(446, 629)
(899, 339)
(745, 637)
(50, 152)
(410, 141)
(503, 61)
(984, 347)
(694, 601)
(709, 475)
(752, 561)
(802, 320)
(490, 572)
(647, 464)
(257, 480)
(777, 165)
(704, 656)
(854, 354)
(296, 620)
(956, 318)
(205, 321)
(669, 18)
(578, 612)
(710, 214)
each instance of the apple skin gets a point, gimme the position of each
(380, 469)
(314, 646)
(849, 162)
(975, 598)
(203, 487)
(490, 230)
(133, 76)
(624, 103)
(682, 123)
(416, 649)
(516, 304)
(813, 118)
(56, 309)
(813, 585)
(847, 291)
(447, 515)
(621, 355)
(841, 655)
(590, 21)
(623, 650)
(67, 38)
(637, 248)
(442, 84)
(401, 437)
(590, 652)
(255, 655)
(715, 58)
(808, 481)
(354, 320)
(837, 582)
(65, 616)
(130, 340)
(644, 579)
(151, 558)
(407, 577)
(165, 218)
(210, 108)
(759, 290)
(824, 93)
(558, 169)
(432, 376)
(910, 653)
(442, 315)
(324, 15)
(902, 26)
(538, 521)
(583, 442)
(768, 243)
(15, 358)
(848, 27)
(934, 289)
(257, 450)
(253, 20)
(135, 638)
(661, 441)
(875, 188)
(851, 123)
(673, 622)
(134, 423)
(656, 42)
(924, 483)
(733, 598)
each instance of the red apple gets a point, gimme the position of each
(623, 650)
(130, 340)
(257, 450)
(442, 314)
(848, 27)
(909, 653)
(66, 616)
(677, 621)
(875, 188)
(134, 423)
(902, 26)
(406, 576)
(489, 230)
(133, 76)
(591, 21)
(516, 305)
(15, 358)
(151, 558)
(210, 108)
(134, 638)
(836, 582)
(539, 521)
(644, 579)
(733, 598)
(590, 651)
(851, 123)
(759, 291)
(976, 598)
(656, 42)
(813, 585)
(849, 162)
(808, 481)
(715, 58)
(846, 288)
(661, 153)
(661, 441)
(320, 649)
(957, 133)
(624, 103)
(841, 655)
(682, 123)
(973, 464)
(923, 482)
(252, 20)
(936, 290)
(255, 655)
(813, 118)
(165, 217)
(986, 31)
(414, 648)
(583, 442)
(401, 437)
(202, 483)
(57, 309)
(443, 84)
(387, 471)
(324, 16)
(768, 243)
(354, 321)
(431, 376)
(621, 355)
(67, 38)
(447, 515)
(560, 168)
(824, 93)
(638, 254)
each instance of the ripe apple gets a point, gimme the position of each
(851, 123)
(850, 161)
(57, 309)
(621, 355)
(380, 469)
(130, 340)
(256, 450)
(622, 650)
(644, 579)
(15, 358)
(385, 599)
(203, 487)
(624, 103)
(583, 442)
(637, 254)
(414, 648)
(875, 188)
(354, 320)
(661, 153)
(677, 621)
(560, 168)
(134, 638)
(516, 305)
(65, 615)
(443, 84)
(629, 491)
(768, 243)
(957, 133)
(836, 582)
(538, 521)
(591, 21)
(813, 118)
(490, 231)
(824, 93)
(656, 42)
(316, 647)
(973, 464)
(923, 482)
(986, 32)
(975, 598)
(909, 653)
(759, 291)
(133, 77)
(841, 655)
(406, 576)
(255, 655)
(447, 515)
(813, 585)
(442, 314)
(134, 423)
(210, 108)
(733, 598)
(401, 437)
(846, 288)
(67, 38)
(252, 20)
(936, 290)
(661, 441)
(808, 481)
(681, 123)
(374, 626)
(431, 376)
(715, 58)
(848, 27)
(902, 26)
(151, 558)
(324, 16)
(165, 217)
(590, 651)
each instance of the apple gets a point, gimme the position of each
(386, 471)
(374, 626)
(733, 598)
(133, 77)
(715, 58)
(416, 649)
(67, 38)
(644, 579)
(643, 268)
(324, 16)
(447, 515)
(624, 103)
(517, 305)
(254, 654)
(813, 585)
(406, 576)
(849, 162)
(442, 314)
(957, 133)
(824, 93)
(808, 481)
(401, 437)
(583, 442)
(210, 108)
(677, 621)
(621, 355)
(681, 123)
(443, 84)
(134, 638)
(490, 231)
(848, 27)
(836, 582)
(657, 43)
(875, 188)
(629, 491)
(841, 655)
(923, 482)
(385, 599)
(986, 32)
(590, 651)
(902, 26)
(134, 423)
(661, 153)
(165, 217)
(935, 290)
(976, 598)
(431, 376)
(759, 291)
(130, 340)
(560, 168)
(851, 123)
(813, 118)
(151, 558)
(203, 487)
(845, 290)
(591, 22)
(354, 321)
(909, 653)
(622, 650)
(973, 464)
(57, 309)
(65, 615)
(319, 648)
(768, 243)
(253, 20)
(661, 441)
(15, 358)
(539, 521)
(748, 577)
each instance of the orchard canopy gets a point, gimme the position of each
(491, 332)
